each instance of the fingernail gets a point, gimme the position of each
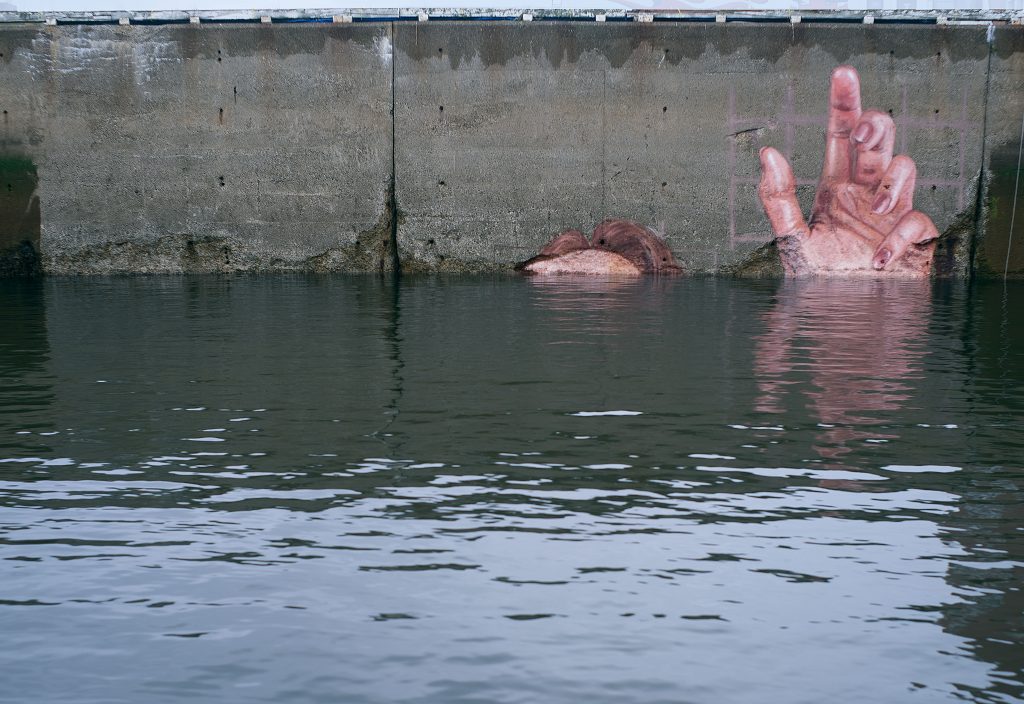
(881, 203)
(862, 132)
(882, 258)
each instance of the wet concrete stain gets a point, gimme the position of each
(210, 254)
(1008, 42)
(442, 264)
(765, 262)
(11, 40)
(187, 253)
(212, 41)
(373, 250)
(209, 41)
(461, 43)
(19, 216)
(952, 257)
(1004, 182)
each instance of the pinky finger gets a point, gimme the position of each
(913, 228)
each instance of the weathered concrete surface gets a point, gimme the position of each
(187, 148)
(219, 147)
(995, 252)
(550, 126)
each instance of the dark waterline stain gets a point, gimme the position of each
(19, 216)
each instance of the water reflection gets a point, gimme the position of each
(294, 483)
(391, 332)
(582, 309)
(989, 522)
(26, 381)
(850, 348)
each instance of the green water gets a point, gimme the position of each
(329, 489)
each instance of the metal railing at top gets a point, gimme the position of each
(1009, 12)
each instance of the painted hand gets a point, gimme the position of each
(863, 221)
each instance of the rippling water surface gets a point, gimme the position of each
(505, 490)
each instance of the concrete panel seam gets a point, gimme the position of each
(396, 263)
(1016, 189)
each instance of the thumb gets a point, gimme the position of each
(778, 195)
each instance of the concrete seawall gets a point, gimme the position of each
(459, 146)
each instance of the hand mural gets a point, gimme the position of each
(863, 221)
(616, 248)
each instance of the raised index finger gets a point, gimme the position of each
(843, 114)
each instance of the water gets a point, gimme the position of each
(290, 489)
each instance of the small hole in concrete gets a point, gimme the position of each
(664, 259)
(440, 108)
(936, 111)
(665, 109)
(601, 242)
(664, 183)
(890, 112)
(440, 50)
(218, 59)
(938, 54)
(440, 183)
(933, 186)
(430, 242)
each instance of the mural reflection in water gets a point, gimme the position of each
(858, 345)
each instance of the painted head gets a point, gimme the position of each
(616, 248)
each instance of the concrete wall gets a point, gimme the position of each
(995, 253)
(468, 144)
(203, 148)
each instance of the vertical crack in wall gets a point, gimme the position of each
(604, 143)
(396, 262)
(982, 191)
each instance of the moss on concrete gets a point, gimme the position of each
(763, 263)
